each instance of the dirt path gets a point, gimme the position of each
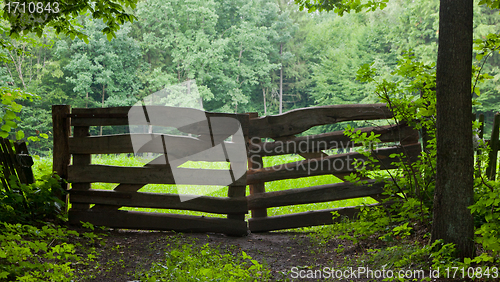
(125, 251)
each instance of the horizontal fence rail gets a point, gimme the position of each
(300, 120)
(211, 131)
(159, 221)
(161, 201)
(330, 140)
(314, 194)
(151, 175)
(341, 163)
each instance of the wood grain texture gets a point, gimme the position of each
(159, 221)
(153, 175)
(26, 161)
(314, 194)
(187, 120)
(303, 219)
(335, 164)
(160, 201)
(61, 129)
(81, 160)
(185, 146)
(299, 120)
(255, 162)
(237, 192)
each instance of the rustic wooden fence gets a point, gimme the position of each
(281, 128)
(16, 164)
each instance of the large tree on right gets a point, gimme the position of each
(454, 192)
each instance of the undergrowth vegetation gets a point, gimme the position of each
(186, 261)
(406, 217)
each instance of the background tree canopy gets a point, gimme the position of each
(231, 49)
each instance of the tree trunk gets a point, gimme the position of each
(281, 80)
(264, 97)
(453, 221)
(102, 104)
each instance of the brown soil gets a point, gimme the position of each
(127, 251)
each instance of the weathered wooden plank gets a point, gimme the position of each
(81, 160)
(152, 143)
(330, 140)
(255, 162)
(237, 192)
(303, 219)
(335, 164)
(159, 221)
(185, 119)
(127, 188)
(299, 120)
(160, 201)
(61, 130)
(25, 160)
(7, 160)
(153, 175)
(314, 194)
(13, 161)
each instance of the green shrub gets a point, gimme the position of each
(31, 203)
(28, 253)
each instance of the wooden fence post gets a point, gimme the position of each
(81, 160)
(492, 163)
(239, 190)
(479, 152)
(256, 162)
(62, 131)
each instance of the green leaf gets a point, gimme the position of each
(5, 128)
(19, 135)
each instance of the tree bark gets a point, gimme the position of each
(281, 79)
(102, 105)
(453, 221)
(264, 97)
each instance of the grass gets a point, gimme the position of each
(43, 165)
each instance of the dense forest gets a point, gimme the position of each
(236, 51)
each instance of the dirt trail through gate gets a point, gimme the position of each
(279, 250)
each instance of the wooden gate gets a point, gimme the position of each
(82, 173)
(281, 128)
